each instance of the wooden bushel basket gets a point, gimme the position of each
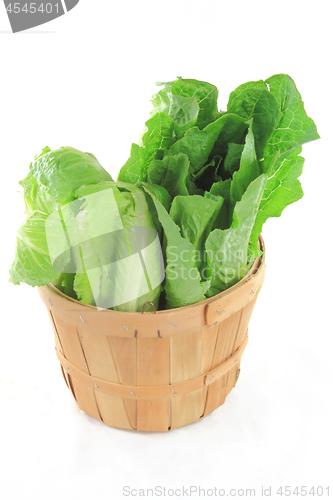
(154, 371)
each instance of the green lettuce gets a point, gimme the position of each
(52, 181)
(196, 216)
(170, 173)
(183, 281)
(183, 219)
(82, 238)
(246, 156)
(188, 102)
(227, 249)
(122, 267)
(248, 170)
(32, 263)
(55, 175)
(158, 136)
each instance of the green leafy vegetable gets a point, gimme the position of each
(255, 101)
(170, 173)
(182, 284)
(295, 127)
(188, 102)
(195, 216)
(222, 188)
(55, 175)
(232, 159)
(121, 264)
(195, 191)
(159, 135)
(208, 174)
(228, 249)
(53, 178)
(197, 144)
(32, 263)
(159, 192)
(204, 93)
(282, 188)
(247, 172)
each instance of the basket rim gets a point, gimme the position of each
(255, 269)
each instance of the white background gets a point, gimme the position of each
(85, 80)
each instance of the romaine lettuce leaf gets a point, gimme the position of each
(247, 172)
(122, 266)
(170, 173)
(208, 174)
(55, 175)
(159, 135)
(227, 250)
(32, 263)
(233, 131)
(182, 281)
(232, 159)
(184, 111)
(281, 162)
(132, 171)
(253, 100)
(159, 192)
(189, 103)
(222, 188)
(206, 95)
(282, 188)
(195, 216)
(295, 127)
(197, 144)
(52, 180)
